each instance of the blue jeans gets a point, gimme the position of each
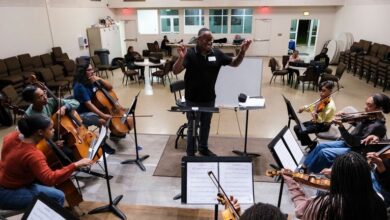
(15, 199)
(202, 118)
(324, 154)
(378, 188)
(90, 118)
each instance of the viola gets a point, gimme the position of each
(71, 127)
(313, 180)
(50, 150)
(108, 102)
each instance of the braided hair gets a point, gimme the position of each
(351, 194)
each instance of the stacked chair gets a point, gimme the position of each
(370, 60)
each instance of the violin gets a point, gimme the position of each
(360, 116)
(228, 213)
(108, 102)
(71, 127)
(50, 150)
(313, 180)
(320, 106)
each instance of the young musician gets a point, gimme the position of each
(294, 57)
(351, 195)
(322, 112)
(22, 165)
(84, 89)
(202, 64)
(41, 104)
(324, 154)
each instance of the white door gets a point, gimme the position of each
(131, 34)
(262, 37)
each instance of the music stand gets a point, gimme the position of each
(247, 108)
(111, 207)
(192, 110)
(138, 160)
(286, 153)
(292, 115)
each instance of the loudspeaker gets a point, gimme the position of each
(242, 97)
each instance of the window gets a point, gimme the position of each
(218, 19)
(169, 21)
(241, 21)
(147, 21)
(193, 20)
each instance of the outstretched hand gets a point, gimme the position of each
(370, 139)
(245, 45)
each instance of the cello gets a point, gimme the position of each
(108, 102)
(71, 127)
(50, 150)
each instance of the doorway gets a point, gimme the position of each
(303, 36)
(262, 37)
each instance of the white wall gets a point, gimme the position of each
(25, 28)
(365, 19)
(281, 21)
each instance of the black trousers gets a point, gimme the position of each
(311, 127)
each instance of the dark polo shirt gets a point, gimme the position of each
(201, 73)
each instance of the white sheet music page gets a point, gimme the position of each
(284, 156)
(293, 145)
(237, 179)
(95, 147)
(41, 211)
(200, 188)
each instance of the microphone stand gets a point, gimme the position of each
(112, 206)
(138, 160)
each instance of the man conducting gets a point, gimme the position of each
(202, 64)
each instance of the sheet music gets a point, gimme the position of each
(284, 156)
(253, 102)
(293, 145)
(95, 147)
(200, 188)
(41, 211)
(237, 179)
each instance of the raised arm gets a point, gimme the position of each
(178, 66)
(238, 59)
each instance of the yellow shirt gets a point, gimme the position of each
(325, 116)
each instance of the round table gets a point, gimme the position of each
(147, 63)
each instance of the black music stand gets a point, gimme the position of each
(192, 110)
(138, 160)
(111, 207)
(247, 108)
(292, 115)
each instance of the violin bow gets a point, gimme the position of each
(219, 187)
(59, 115)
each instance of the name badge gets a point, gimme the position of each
(212, 59)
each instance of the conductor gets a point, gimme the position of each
(202, 64)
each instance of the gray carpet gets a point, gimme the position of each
(169, 164)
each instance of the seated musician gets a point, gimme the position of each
(22, 164)
(381, 175)
(132, 57)
(351, 187)
(84, 89)
(41, 104)
(324, 154)
(322, 113)
(294, 57)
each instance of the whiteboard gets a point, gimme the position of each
(232, 81)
